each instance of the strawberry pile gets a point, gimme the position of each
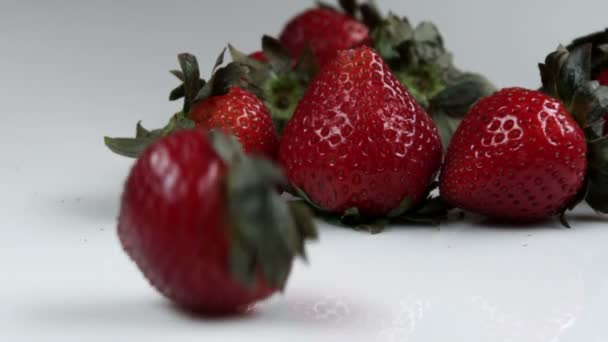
(360, 117)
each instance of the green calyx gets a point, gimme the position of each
(278, 83)
(192, 90)
(599, 49)
(282, 95)
(567, 75)
(266, 232)
(431, 211)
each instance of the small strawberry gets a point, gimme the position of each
(220, 103)
(326, 31)
(518, 155)
(358, 142)
(204, 225)
(522, 155)
(241, 113)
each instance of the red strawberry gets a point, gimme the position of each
(603, 79)
(259, 56)
(217, 104)
(326, 30)
(359, 140)
(518, 155)
(204, 226)
(241, 113)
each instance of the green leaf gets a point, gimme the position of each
(192, 79)
(349, 7)
(597, 196)
(177, 93)
(451, 105)
(277, 55)
(129, 147)
(370, 14)
(179, 74)
(589, 105)
(219, 61)
(223, 80)
(266, 231)
(550, 71)
(307, 67)
(575, 71)
(403, 207)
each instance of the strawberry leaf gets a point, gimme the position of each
(277, 55)
(266, 232)
(192, 79)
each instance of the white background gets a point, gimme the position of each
(73, 71)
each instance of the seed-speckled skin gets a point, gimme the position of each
(173, 224)
(359, 139)
(603, 79)
(326, 30)
(241, 113)
(518, 155)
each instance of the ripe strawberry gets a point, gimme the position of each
(202, 222)
(358, 140)
(241, 113)
(326, 31)
(220, 103)
(518, 155)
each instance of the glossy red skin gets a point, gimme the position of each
(359, 139)
(518, 156)
(241, 113)
(603, 79)
(173, 224)
(259, 56)
(326, 30)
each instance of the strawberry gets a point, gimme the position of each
(326, 31)
(518, 155)
(220, 103)
(358, 142)
(202, 222)
(241, 113)
(524, 155)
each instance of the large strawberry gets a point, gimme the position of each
(326, 31)
(517, 155)
(358, 142)
(204, 225)
(524, 155)
(220, 103)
